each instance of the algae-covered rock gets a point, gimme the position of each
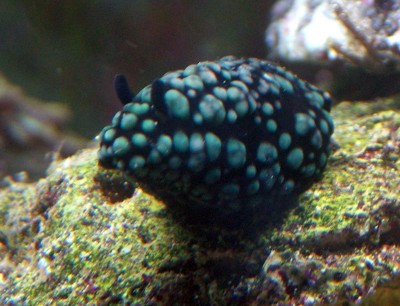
(84, 235)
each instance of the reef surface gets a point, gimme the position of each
(85, 235)
(363, 33)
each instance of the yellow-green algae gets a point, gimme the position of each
(93, 238)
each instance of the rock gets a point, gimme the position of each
(363, 33)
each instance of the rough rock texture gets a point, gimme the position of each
(85, 235)
(364, 33)
(29, 129)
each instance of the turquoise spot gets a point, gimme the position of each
(136, 162)
(116, 118)
(276, 169)
(246, 77)
(262, 87)
(196, 162)
(316, 140)
(194, 82)
(303, 123)
(177, 103)
(285, 141)
(220, 93)
(315, 99)
(312, 114)
(164, 144)
(120, 165)
(175, 162)
(267, 109)
(102, 152)
(274, 90)
(230, 191)
(137, 108)
(251, 171)
(322, 160)
(121, 146)
(171, 75)
(145, 94)
(236, 153)
(288, 186)
(253, 187)
(109, 151)
(295, 158)
(189, 70)
(154, 157)
(308, 170)
(197, 118)
(212, 109)
(269, 78)
(177, 83)
(213, 66)
(212, 176)
(181, 142)
(234, 94)
(328, 118)
(148, 125)
(267, 178)
(208, 77)
(324, 127)
(271, 126)
(285, 84)
(226, 75)
(266, 153)
(196, 143)
(252, 102)
(213, 146)
(139, 140)
(109, 135)
(128, 121)
(240, 85)
(241, 108)
(232, 116)
(191, 93)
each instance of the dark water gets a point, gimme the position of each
(70, 50)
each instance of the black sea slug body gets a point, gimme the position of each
(231, 134)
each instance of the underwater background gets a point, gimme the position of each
(73, 232)
(70, 51)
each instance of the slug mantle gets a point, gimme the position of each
(232, 134)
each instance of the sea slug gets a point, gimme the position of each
(230, 134)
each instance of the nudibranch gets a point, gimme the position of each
(229, 134)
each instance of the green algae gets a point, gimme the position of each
(92, 236)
